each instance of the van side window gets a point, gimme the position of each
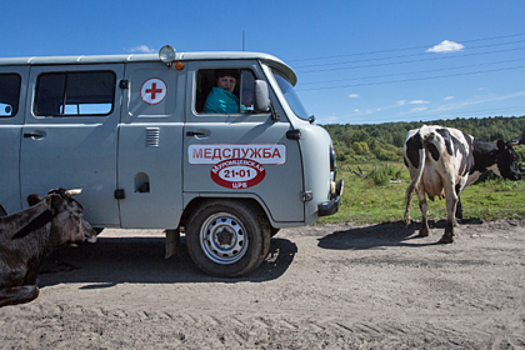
(225, 91)
(75, 93)
(9, 94)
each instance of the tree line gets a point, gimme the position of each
(384, 142)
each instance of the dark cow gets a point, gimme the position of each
(443, 161)
(520, 140)
(30, 235)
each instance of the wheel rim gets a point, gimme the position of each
(223, 238)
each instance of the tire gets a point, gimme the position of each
(228, 238)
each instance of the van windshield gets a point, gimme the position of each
(291, 97)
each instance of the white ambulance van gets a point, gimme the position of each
(134, 133)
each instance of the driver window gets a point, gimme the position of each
(225, 91)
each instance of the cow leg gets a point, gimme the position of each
(452, 200)
(459, 208)
(448, 236)
(18, 295)
(423, 205)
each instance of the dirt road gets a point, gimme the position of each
(322, 287)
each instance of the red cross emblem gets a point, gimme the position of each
(153, 91)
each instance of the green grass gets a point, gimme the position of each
(365, 202)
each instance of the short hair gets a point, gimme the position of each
(234, 73)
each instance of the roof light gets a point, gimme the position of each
(167, 55)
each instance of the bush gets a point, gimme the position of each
(382, 154)
(360, 148)
(382, 175)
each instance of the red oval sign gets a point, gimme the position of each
(238, 173)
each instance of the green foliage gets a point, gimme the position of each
(355, 144)
(520, 150)
(360, 148)
(383, 175)
(371, 196)
(364, 202)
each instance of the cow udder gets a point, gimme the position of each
(432, 183)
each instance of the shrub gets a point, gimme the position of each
(360, 148)
(382, 175)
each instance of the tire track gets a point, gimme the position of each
(352, 289)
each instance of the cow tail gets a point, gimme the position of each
(413, 184)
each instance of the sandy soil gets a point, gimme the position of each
(322, 287)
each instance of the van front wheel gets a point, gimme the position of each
(227, 238)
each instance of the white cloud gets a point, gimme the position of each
(418, 102)
(446, 46)
(143, 49)
(354, 96)
(474, 102)
(418, 109)
(448, 98)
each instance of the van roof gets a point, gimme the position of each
(273, 61)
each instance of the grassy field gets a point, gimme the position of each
(373, 198)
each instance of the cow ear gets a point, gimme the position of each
(502, 145)
(33, 199)
(54, 202)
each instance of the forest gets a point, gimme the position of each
(367, 143)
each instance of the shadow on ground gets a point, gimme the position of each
(385, 235)
(112, 261)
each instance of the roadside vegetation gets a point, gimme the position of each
(370, 160)
(369, 143)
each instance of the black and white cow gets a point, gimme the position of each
(443, 161)
(27, 237)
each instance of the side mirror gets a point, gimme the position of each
(262, 97)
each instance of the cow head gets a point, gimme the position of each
(68, 223)
(507, 161)
(520, 140)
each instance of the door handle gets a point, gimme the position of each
(195, 133)
(34, 135)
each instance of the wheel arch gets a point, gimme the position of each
(201, 200)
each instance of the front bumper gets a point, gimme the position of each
(332, 206)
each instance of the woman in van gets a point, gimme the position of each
(221, 98)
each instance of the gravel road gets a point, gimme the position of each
(321, 287)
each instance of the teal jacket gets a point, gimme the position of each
(221, 101)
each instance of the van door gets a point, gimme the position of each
(70, 136)
(150, 150)
(240, 153)
(13, 87)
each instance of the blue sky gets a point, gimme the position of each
(358, 62)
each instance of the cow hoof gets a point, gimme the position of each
(446, 239)
(423, 232)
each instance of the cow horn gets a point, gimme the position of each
(71, 193)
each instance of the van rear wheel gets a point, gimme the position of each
(228, 238)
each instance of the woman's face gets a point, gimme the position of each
(226, 83)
